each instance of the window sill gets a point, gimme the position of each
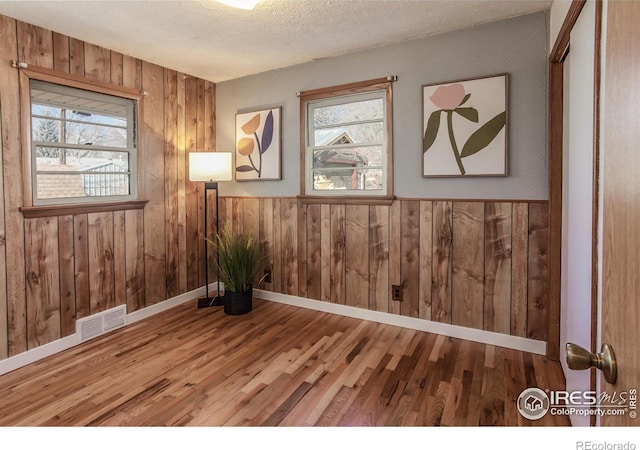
(346, 200)
(32, 212)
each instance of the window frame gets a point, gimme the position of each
(332, 95)
(92, 204)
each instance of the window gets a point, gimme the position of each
(83, 145)
(347, 140)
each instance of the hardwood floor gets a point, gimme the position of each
(279, 365)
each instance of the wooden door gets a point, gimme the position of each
(620, 312)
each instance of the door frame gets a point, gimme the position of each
(556, 131)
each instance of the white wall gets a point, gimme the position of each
(518, 46)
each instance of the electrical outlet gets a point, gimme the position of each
(266, 278)
(396, 293)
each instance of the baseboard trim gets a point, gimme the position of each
(455, 331)
(57, 346)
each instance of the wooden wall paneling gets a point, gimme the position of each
(441, 262)
(290, 246)
(119, 258)
(67, 276)
(538, 284)
(200, 147)
(357, 256)
(131, 72)
(35, 45)
(101, 273)
(301, 254)
(4, 331)
(338, 240)
(116, 75)
(313, 278)
(426, 253)
(61, 52)
(379, 258)
(171, 180)
(192, 243)
(395, 237)
(325, 252)
(277, 275)
(181, 183)
(209, 116)
(266, 237)
(519, 268)
(76, 57)
(497, 289)
(97, 62)
(134, 264)
(467, 264)
(43, 281)
(237, 214)
(250, 216)
(81, 254)
(154, 212)
(13, 192)
(410, 260)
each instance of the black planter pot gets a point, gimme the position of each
(238, 303)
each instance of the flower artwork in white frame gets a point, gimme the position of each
(258, 145)
(465, 128)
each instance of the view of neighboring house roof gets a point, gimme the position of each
(334, 158)
(59, 185)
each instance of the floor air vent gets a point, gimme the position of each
(93, 326)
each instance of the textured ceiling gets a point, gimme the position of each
(216, 42)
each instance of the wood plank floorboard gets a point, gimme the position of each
(276, 366)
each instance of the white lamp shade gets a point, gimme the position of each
(210, 166)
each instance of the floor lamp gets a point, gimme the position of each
(210, 167)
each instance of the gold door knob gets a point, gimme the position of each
(579, 358)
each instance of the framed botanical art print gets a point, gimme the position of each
(465, 128)
(258, 145)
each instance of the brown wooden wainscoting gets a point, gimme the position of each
(478, 264)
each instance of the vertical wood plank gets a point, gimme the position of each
(67, 276)
(410, 260)
(441, 260)
(61, 52)
(119, 258)
(266, 238)
(379, 258)
(314, 252)
(200, 146)
(13, 192)
(426, 249)
(181, 182)
(101, 278)
(192, 243)
(76, 57)
(519, 268)
(325, 252)
(116, 74)
(497, 289)
(4, 325)
(538, 285)
(171, 180)
(135, 273)
(154, 212)
(97, 62)
(290, 246)
(301, 252)
(467, 264)
(131, 72)
(81, 253)
(277, 275)
(337, 254)
(43, 286)
(395, 255)
(35, 45)
(357, 256)
(237, 214)
(250, 216)
(210, 117)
